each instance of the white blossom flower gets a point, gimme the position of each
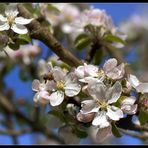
(95, 17)
(112, 70)
(139, 86)
(89, 73)
(44, 67)
(103, 98)
(11, 21)
(42, 95)
(64, 84)
(128, 106)
(68, 12)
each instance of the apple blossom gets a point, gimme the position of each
(112, 70)
(103, 97)
(11, 21)
(88, 73)
(64, 84)
(128, 106)
(42, 95)
(139, 86)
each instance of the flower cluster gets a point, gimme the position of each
(107, 89)
(11, 21)
(97, 24)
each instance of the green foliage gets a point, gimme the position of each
(111, 38)
(51, 7)
(24, 39)
(82, 41)
(115, 131)
(14, 46)
(143, 117)
(98, 56)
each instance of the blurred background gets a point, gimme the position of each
(132, 19)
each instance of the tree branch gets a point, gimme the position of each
(10, 108)
(43, 34)
(133, 134)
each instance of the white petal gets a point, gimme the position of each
(97, 90)
(117, 72)
(35, 85)
(58, 74)
(91, 70)
(51, 85)
(2, 18)
(4, 26)
(133, 81)
(129, 100)
(56, 98)
(90, 79)
(11, 10)
(129, 109)
(80, 72)
(42, 97)
(103, 134)
(89, 106)
(114, 113)
(101, 120)
(72, 89)
(22, 21)
(113, 93)
(142, 87)
(20, 29)
(110, 64)
(85, 117)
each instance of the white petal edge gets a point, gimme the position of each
(4, 26)
(20, 29)
(22, 21)
(114, 113)
(56, 98)
(101, 120)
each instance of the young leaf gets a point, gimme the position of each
(112, 38)
(14, 46)
(115, 131)
(98, 56)
(51, 7)
(25, 37)
(82, 41)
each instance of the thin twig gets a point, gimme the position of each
(133, 134)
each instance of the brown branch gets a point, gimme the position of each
(133, 134)
(43, 34)
(11, 132)
(10, 108)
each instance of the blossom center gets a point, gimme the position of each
(10, 20)
(100, 73)
(102, 105)
(60, 85)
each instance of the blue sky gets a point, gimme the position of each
(118, 12)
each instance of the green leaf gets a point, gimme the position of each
(51, 7)
(112, 38)
(143, 117)
(15, 46)
(25, 37)
(115, 130)
(82, 41)
(98, 56)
